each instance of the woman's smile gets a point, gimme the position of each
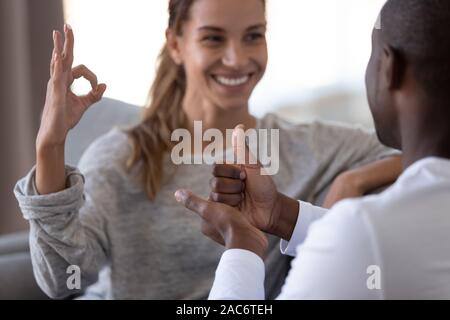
(237, 83)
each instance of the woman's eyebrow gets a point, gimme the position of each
(257, 26)
(211, 28)
(219, 29)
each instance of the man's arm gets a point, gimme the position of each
(332, 264)
(240, 274)
(307, 215)
(336, 260)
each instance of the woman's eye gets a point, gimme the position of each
(213, 39)
(252, 37)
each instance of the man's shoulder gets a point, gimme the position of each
(364, 208)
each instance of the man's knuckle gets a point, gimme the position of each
(216, 184)
(215, 169)
(215, 196)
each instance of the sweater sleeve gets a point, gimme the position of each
(69, 229)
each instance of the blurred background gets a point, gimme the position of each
(317, 49)
(318, 54)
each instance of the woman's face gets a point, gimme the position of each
(223, 49)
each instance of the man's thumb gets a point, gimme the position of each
(192, 202)
(242, 149)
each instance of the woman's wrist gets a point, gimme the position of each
(44, 143)
(50, 168)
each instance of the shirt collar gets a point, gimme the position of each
(433, 163)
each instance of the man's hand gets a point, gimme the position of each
(244, 187)
(224, 224)
(243, 204)
(255, 195)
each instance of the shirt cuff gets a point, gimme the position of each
(35, 206)
(239, 276)
(306, 216)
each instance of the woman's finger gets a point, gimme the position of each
(83, 71)
(68, 46)
(57, 42)
(52, 62)
(56, 49)
(93, 96)
(58, 86)
(52, 59)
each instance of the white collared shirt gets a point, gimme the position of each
(395, 245)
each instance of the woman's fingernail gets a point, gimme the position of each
(68, 26)
(54, 34)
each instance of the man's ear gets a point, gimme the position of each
(392, 67)
(173, 45)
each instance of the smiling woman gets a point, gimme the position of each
(206, 41)
(312, 45)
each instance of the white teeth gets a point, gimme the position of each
(232, 82)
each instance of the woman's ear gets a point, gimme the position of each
(173, 46)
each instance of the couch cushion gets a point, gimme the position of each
(14, 243)
(98, 120)
(16, 278)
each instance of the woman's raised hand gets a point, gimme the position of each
(63, 109)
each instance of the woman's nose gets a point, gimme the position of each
(235, 56)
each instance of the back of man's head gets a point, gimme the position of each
(419, 31)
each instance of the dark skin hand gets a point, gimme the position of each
(243, 203)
